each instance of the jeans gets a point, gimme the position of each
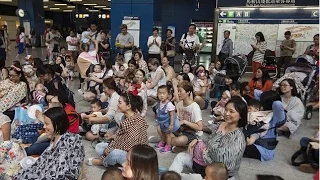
(115, 157)
(257, 93)
(37, 148)
(304, 142)
(180, 161)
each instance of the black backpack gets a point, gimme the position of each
(180, 48)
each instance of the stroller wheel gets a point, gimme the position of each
(308, 113)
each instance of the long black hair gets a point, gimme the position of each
(18, 70)
(294, 91)
(265, 76)
(135, 101)
(267, 98)
(261, 36)
(59, 119)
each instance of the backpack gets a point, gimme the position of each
(184, 37)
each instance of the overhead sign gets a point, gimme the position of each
(223, 14)
(234, 14)
(263, 3)
(315, 13)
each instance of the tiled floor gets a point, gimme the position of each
(281, 165)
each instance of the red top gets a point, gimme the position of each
(254, 85)
(73, 119)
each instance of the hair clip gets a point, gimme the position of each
(16, 68)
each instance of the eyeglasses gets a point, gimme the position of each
(13, 75)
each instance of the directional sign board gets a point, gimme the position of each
(223, 14)
(315, 13)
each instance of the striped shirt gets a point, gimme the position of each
(225, 148)
(258, 56)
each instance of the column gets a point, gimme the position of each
(34, 14)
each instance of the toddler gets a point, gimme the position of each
(258, 121)
(199, 82)
(121, 71)
(93, 85)
(167, 119)
(70, 68)
(216, 171)
(112, 173)
(170, 175)
(136, 87)
(39, 94)
(219, 108)
(119, 62)
(31, 77)
(96, 105)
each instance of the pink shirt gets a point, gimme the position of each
(90, 56)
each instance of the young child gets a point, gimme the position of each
(258, 122)
(96, 105)
(218, 110)
(170, 175)
(39, 94)
(216, 171)
(199, 82)
(69, 67)
(32, 79)
(136, 86)
(121, 71)
(167, 119)
(112, 173)
(93, 85)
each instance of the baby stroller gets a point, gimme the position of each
(270, 63)
(234, 67)
(302, 72)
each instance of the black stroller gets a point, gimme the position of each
(270, 63)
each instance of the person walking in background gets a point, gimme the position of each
(21, 38)
(287, 48)
(6, 36)
(227, 47)
(154, 44)
(3, 54)
(170, 47)
(259, 50)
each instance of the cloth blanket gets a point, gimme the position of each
(11, 94)
(83, 64)
(295, 113)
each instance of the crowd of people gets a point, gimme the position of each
(246, 119)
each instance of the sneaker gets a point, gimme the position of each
(154, 139)
(80, 91)
(161, 145)
(167, 148)
(177, 149)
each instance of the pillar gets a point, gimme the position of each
(34, 13)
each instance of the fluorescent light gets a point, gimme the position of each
(45, 6)
(90, 4)
(75, 0)
(45, 0)
(284, 8)
(106, 8)
(109, 0)
(5, 0)
(54, 8)
(71, 7)
(99, 6)
(93, 10)
(317, 8)
(238, 8)
(68, 10)
(60, 4)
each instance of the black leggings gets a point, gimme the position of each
(252, 152)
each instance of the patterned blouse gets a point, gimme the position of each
(132, 131)
(60, 162)
(225, 148)
(143, 65)
(12, 93)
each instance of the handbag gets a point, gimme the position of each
(170, 53)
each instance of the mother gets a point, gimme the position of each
(132, 131)
(226, 144)
(263, 148)
(260, 83)
(292, 104)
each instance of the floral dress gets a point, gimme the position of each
(11, 94)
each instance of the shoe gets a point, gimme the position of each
(80, 91)
(161, 145)
(167, 148)
(307, 168)
(154, 139)
(177, 149)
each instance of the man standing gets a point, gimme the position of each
(124, 43)
(95, 34)
(154, 44)
(53, 39)
(287, 48)
(190, 41)
(227, 47)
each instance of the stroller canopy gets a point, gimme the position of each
(305, 59)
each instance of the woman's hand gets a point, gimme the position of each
(175, 82)
(192, 145)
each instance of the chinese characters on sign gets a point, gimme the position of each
(271, 3)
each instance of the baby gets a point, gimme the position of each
(119, 62)
(70, 67)
(121, 71)
(96, 112)
(112, 173)
(136, 86)
(218, 110)
(170, 175)
(199, 82)
(216, 171)
(258, 122)
(93, 85)
(39, 94)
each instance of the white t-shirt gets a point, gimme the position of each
(72, 40)
(154, 49)
(191, 113)
(21, 37)
(170, 107)
(190, 41)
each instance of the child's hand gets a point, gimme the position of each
(170, 128)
